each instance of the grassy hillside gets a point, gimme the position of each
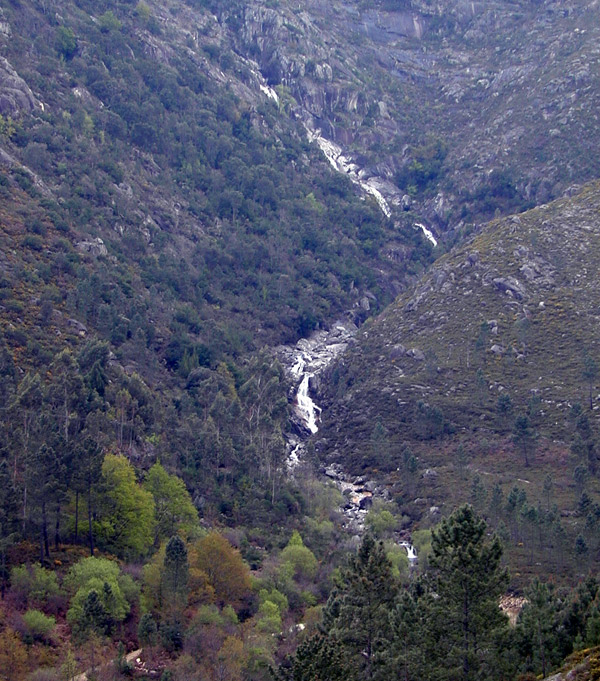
(502, 328)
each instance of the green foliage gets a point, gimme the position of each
(540, 636)
(147, 630)
(35, 583)
(66, 42)
(175, 576)
(298, 559)
(127, 522)
(173, 507)
(102, 596)
(357, 611)
(380, 522)
(469, 581)
(425, 166)
(319, 657)
(38, 625)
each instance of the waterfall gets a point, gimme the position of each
(306, 407)
(344, 165)
(411, 552)
(427, 233)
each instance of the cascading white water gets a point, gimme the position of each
(307, 408)
(427, 233)
(342, 164)
(411, 552)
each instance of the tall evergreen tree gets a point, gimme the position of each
(468, 581)
(9, 519)
(175, 576)
(541, 641)
(358, 611)
(319, 658)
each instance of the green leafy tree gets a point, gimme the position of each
(102, 596)
(381, 522)
(66, 42)
(173, 507)
(126, 524)
(469, 581)
(298, 559)
(226, 572)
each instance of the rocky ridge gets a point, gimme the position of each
(514, 310)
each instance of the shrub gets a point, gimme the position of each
(34, 583)
(38, 626)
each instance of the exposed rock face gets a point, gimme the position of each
(95, 247)
(16, 96)
(495, 82)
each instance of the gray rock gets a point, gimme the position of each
(497, 349)
(94, 247)
(509, 285)
(77, 326)
(397, 351)
(366, 503)
(16, 96)
(417, 354)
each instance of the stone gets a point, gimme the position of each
(509, 285)
(77, 326)
(417, 354)
(94, 247)
(365, 503)
(16, 96)
(397, 351)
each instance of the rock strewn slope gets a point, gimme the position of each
(515, 310)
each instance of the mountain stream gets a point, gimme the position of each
(305, 362)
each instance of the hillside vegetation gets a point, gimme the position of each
(487, 371)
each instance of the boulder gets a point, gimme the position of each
(16, 96)
(397, 351)
(365, 503)
(93, 247)
(417, 354)
(509, 285)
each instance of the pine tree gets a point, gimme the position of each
(468, 582)
(540, 638)
(175, 576)
(358, 612)
(320, 658)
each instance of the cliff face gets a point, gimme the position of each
(506, 90)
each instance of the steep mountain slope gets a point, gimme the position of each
(190, 182)
(481, 385)
(461, 108)
(512, 311)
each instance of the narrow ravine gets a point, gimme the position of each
(370, 184)
(305, 362)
